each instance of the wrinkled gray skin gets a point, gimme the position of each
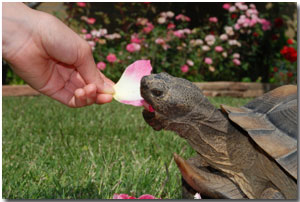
(181, 107)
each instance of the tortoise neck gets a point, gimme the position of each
(207, 130)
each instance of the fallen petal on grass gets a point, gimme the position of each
(123, 196)
(197, 196)
(147, 196)
(127, 89)
(126, 196)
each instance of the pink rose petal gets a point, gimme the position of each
(147, 196)
(123, 196)
(136, 103)
(127, 89)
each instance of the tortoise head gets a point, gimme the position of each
(173, 99)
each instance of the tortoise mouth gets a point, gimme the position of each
(151, 119)
(148, 107)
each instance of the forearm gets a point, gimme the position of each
(17, 27)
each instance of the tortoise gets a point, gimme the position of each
(242, 153)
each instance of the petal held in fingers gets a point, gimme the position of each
(127, 89)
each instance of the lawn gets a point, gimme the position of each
(54, 152)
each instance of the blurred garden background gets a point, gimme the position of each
(249, 42)
(50, 151)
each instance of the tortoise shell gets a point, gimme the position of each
(271, 121)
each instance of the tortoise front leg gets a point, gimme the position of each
(206, 182)
(271, 193)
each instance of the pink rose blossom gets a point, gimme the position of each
(251, 13)
(111, 58)
(81, 4)
(162, 42)
(266, 25)
(159, 41)
(95, 33)
(211, 68)
(236, 62)
(223, 37)
(236, 55)
(234, 42)
(196, 42)
(179, 33)
(232, 9)
(224, 54)
(243, 7)
(165, 46)
(92, 43)
(187, 31)
(162, 20)
(219, 49)
(88, 36)
(252, 22)
(252, 6)
(229, 30)
(179, 17)
(237, 26)
(184, 68)
(142, 21)
(205, 48)
(84, 31)
(239, 4)
(210, 39)
(148, 28)
(170, 14)
(133, 47)
(246, 22)
(113, 36)
(102, 32)
(135, 39)
(163, 14)
(208, 60)
(182, 18)
(190, 62)
(213, 19)
(101, 65)
(91, 21)
(171, 26)
(226, 6)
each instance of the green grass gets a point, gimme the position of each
(50, 151)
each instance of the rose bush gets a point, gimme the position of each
(233, 50)
(243, 44)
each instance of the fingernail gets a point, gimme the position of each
(107, 88)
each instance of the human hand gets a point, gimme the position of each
(52, 58)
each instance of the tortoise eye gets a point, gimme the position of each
(156, 92)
